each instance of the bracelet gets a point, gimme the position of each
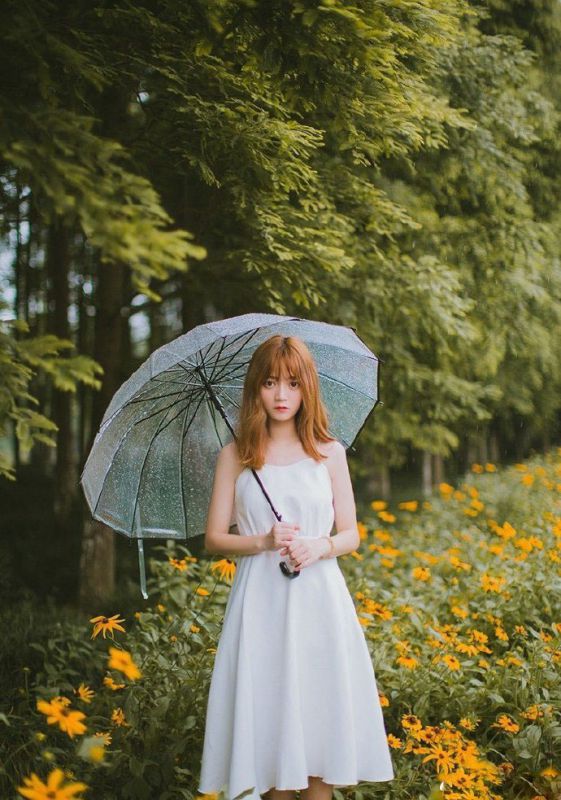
(331, 547)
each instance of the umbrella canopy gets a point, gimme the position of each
(150, 470)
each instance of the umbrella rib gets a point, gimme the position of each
(220, 390)
(142, 470)
(139, 399)
(189, 399)
(183, 504)
(213, 418)
(126, 433)
(159, 429)
(216, 359)
(230, 358)
(123, 437)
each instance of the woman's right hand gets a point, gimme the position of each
(280, 535)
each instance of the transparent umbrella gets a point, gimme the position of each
(150, 470)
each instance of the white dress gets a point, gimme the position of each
(293, 691)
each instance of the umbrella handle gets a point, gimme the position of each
(283, 567)
(142, 568)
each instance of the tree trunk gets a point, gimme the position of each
(438, 469)
(97, 563)
(66, 478)
(427, 473)
(471, 454)
(379, 484)
(494, 448)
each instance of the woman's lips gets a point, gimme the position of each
(281, 408)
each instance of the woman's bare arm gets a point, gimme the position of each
(347, 537)
(217, 538)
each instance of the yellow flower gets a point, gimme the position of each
(506, 723)
(527, 479)
(409, 662)
(411, 722)
(445, 489)
(180, 565)
(476, 468)
(202, 591)
(84, 693)
(490, 468)
(532, 712)
(225, 568)
(421, 573)
(194, 629)
(467, 649)
(501, 634)
(443, 759)
(104, 736)
(118, 717)
(506, 532)
(549, 772)
(161, 608)
(35, 789)
(451, 662)
(121, 660)
(378, 505)
(489, 583)
(393, 741)
(460, 564)
(383, 700)
(386, 516)
(409, 505)
(362, 530)
(110, 683)
(106, 625)
(59, 713)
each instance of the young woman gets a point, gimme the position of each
(293, 701)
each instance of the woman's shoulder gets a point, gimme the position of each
(330, 449)
(228, 455)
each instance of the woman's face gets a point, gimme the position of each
(281, 396)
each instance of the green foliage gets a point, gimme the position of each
(20, 359)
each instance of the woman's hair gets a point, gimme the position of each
(311, 418)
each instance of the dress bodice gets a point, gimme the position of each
(301, 492)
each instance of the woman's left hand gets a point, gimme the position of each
(304, 552)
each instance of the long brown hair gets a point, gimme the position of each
(311, 418)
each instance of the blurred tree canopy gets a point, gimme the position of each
(387, 164)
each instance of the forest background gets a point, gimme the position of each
(393, 165)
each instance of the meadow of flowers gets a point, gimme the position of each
(460, 600)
